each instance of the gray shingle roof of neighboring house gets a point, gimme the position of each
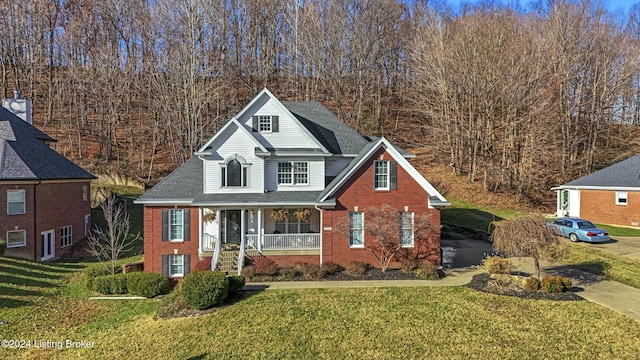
(332, 132)
(25, 156)
(624, 174)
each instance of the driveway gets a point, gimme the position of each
(467, 251)
(621, 245)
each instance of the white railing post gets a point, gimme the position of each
(216, 254)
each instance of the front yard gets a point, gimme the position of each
(48, 302)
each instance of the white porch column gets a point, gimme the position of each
(260, 230)
(200, 237)
(243, 239)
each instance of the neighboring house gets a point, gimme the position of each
(609, 196)
(275, 180)
(44, 197)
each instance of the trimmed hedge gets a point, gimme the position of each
(204, 289)
(236, 283)
(91, 272)
(110, 284)
(171, 305)
(147, 284)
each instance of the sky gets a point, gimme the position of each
(611, 5)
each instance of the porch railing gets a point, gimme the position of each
(307, 241)
(208, 242)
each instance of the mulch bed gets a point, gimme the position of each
(484, 283)
(371, 274)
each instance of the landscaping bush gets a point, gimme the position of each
(357, 268)
(408, 265)
(427, 271)
(204, 289)
(3, 247)
(497, 265)
(531, 283)
(551, 284)
(312, 271)
(265, 266)
(147, 284)
(171, 305)
(331, 268)
(236, 283)
(566, 283)
(289, 272)
(249, 272)
(91, 272)
(202, 264)
(110, 284)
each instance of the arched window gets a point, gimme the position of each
(234, 172)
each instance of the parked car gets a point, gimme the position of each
(577, 229)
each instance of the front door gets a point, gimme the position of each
(230, 230)
(48, 245)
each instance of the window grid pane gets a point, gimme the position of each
(406, 228)
(264, 123)
(301, 172)
(381, 175)
(175, 225)
(356, 228)
(66, 235)
(176, 263)
(284, 173)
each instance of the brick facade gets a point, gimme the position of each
(358, 191)
(600, 206)
(49, 205)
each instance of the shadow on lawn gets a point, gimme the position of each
(11, 291)
(12, 303)
(51, 267)
(20, 281)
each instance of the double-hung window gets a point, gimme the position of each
(356, 229)
(175, 265)
(66, 236)
(405, 220)
(292, 225)
(385, 175)
(293, 173)
(265, 123)
(15, 202)
(175, 225)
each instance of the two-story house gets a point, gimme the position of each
(44, 197)
(275, 180)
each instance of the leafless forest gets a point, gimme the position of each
(518, 99)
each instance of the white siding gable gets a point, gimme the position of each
(289, 135)
(233, 142)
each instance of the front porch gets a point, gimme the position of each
(259, 231)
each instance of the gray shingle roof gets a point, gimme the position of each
(624, 174)
(332, 132)
(24, 156)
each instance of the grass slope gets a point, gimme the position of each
(48, 302)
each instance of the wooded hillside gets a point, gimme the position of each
(518, 99)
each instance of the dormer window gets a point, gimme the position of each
(265, 123)
(234, 172)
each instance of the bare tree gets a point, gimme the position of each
(526, 236)
(108, 244)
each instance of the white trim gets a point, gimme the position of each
(387, 175)
(24, 238)
(286, 111)
(604, 188)
(622, 195)
(24, 201)
(171, 256)
(383, 143)
(234, 121)
(171, 224)
(356, 246)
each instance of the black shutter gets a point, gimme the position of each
(223, 176)
(244, 176)
(186, 233)
(165, 265)
(165, 225)
(393, 175)
(254, 123)
(275, 124)
(187, 264)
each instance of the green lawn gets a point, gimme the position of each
(49, 302)
(612, 266)
(466, 214)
